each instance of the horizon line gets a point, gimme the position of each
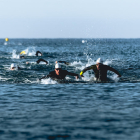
(74, 38)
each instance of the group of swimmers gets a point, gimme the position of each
(100, 70)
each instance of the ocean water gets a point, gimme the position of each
(73, 109)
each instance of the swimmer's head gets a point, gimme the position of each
(13, 66)
(57, 66)
(99, 63)
(99, 60)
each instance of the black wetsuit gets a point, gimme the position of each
(63, 62)
(37, 53)
(39, 60)
(101, 74)
(61, 76)
(22, 56)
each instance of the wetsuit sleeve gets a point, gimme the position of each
(38, 52)
(22, 56)
(19, 68)
(87, 68)
(47, 76)
(43, 77)
(113, 70)
(72, 74)
(64, 62)
(38, 61)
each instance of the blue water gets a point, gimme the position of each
(73, 109)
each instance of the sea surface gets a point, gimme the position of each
(73, 109)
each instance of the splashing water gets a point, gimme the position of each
(114, 77)
(14, 55)
(107, 62)
(5, 43)
(89, 75)
(30, 51)
(48, 81)
(84, 41)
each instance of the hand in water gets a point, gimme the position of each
(119, 75)
(77, 77)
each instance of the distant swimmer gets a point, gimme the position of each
(58, 73)
(14, 67)
(38, 53)
(39, 60)
(100, 70)
(22, 53)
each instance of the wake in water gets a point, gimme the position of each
(70, 108)
(89, 77)
(30, 51)
(15, 55)
(76, 66)
(79, 59)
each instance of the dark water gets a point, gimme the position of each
(75, 109)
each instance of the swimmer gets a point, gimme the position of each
(38, 53)
(13, 66)
(58, 73)
(100, 70)
(38, 61)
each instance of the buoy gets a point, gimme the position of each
(6, 39)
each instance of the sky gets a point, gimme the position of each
(70, 18)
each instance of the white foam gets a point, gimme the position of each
(39, 54)
(42, 63)
(5, 43)
(107, 62)
(84, 41)
(76, 63)
(30, 51)
(114, 77)
(67, 78)
(28, 81)
(14, 55)
(3, 79)
(87, 78)
(48, 81)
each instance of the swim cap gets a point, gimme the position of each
(99, 60)
(23, 52)
(13, 65)
(57, 65)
